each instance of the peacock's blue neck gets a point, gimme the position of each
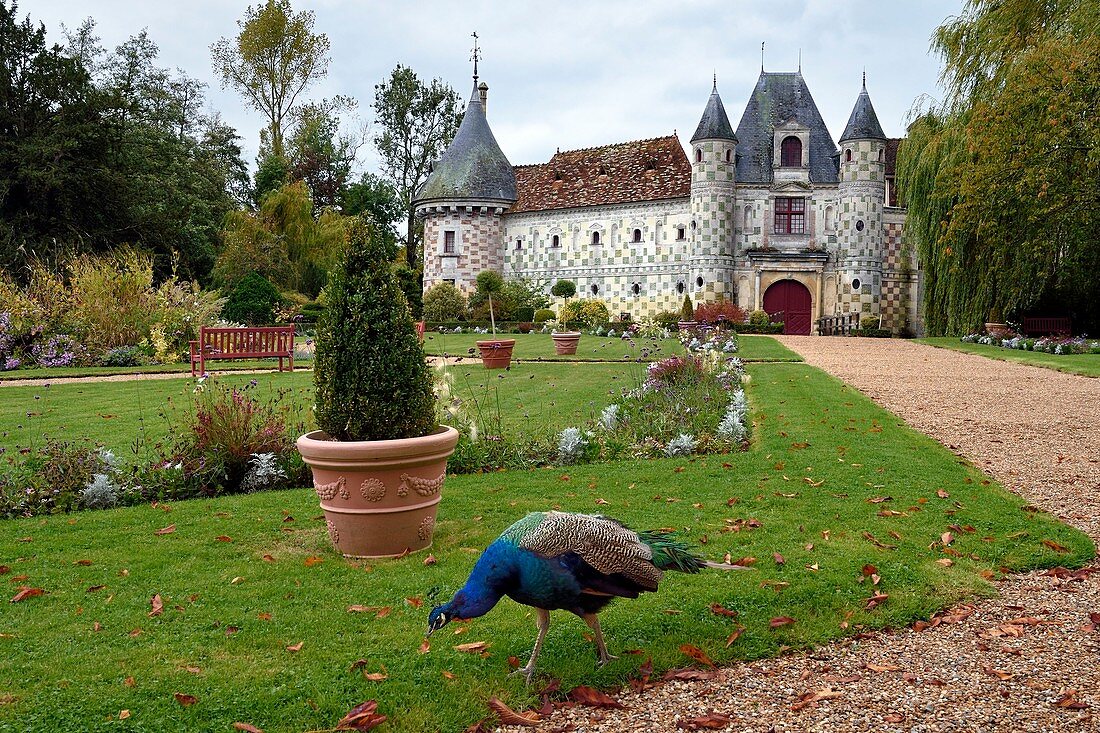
(487, 582)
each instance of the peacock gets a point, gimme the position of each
(573, 562)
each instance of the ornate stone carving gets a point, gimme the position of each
(373, 489)
(426, 527)
(333, 533)
(422, 486)
(327, 492)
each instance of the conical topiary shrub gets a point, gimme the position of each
(379, 458)
(372, 381)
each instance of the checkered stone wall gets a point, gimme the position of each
(860, 225)
(714, 215)
(899, 297)
(478, 245)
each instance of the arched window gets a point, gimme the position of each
(881, 154)
(595, 289)
(698, 155)
(519, 244)
(595, 237)
(748, 218)
(830, 224)
(555, 241)
(848, 155)
(729, 156)
(791, 152)
(680, 287)
(637, 235)
(699, 282)
(636, 288)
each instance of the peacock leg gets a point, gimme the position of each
(543, 622)
(594, 623)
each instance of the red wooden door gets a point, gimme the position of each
(789, 301)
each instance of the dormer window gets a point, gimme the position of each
(637, 235)
(791, 152)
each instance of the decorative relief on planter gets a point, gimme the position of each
(333, 533)
(329, 491)
(422, 486)
(426, 527)
(373, 489)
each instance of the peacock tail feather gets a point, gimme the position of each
(670, 553)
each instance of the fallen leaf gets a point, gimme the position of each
(383, 612)
(1055, 546)
(511, 717)
(230, 630)
(449, 675)
(894, 718)
(945, 561)
(947, 538)
(876, 600)
(194, 670)
(95, 588)
(710, 721)
(314, 560)
(123, 714)
(414, 602)
(689, 674)
(25, 592)
(780, 621)
(247, 728)
(721, 610)
(375, 676)
(603, 502)
(185, 700)
(430, 560)
(809, 698)
(942, 494)
(166, 530)
(879, 499)
(473, 647)
(1068, 700)
(295, 647)
(129, 682)
(362, 717)
(998, 673)
(593, 698)
(268, 557)
(223, 538)
(157, 606)
(734, 636)
(356, 608)
(84, 563)
(697, 654)
(779, 559)
(425, 647)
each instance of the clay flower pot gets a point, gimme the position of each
(1000, 330)
(379, 496)
(566, 342)
(496, 353)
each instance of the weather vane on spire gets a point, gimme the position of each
(476, 55)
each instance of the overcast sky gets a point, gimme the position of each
(568, 74)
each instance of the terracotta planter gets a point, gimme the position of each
(496, 353)
(566, 342)
(1000, 330)
(379, 496)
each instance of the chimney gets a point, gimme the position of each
(483, 93)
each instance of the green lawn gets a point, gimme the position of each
(1085, 364)
(821, 452)
(540, 347)
(763, 348)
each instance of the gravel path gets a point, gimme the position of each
(1035, 430)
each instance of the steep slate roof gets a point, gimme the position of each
(473, 167)
(777, 98)
(863, 123)
(642, 170)
(715, 125)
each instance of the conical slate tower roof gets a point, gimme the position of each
(715, 125)
(473, 167)
(863, 124)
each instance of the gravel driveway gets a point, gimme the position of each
(1038, 432)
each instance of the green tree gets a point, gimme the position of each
(994, 177)
(376, 198)
(319, 153)
(416, 123)
(273, 59)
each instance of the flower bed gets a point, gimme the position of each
(1046, 344)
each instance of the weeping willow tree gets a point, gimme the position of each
(1002, 179)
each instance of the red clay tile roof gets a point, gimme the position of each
(642, 170)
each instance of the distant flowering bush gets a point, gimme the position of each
(682, 445)
(59, 350)
(571, 443)
(1048, 344)
(609, 418)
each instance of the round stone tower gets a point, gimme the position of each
(713, 200)
(463, 200)
(862, 194)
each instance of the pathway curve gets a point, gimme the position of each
(1038, 432)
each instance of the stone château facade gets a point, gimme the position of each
(773, 215)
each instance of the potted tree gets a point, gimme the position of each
(996, 325)
(565, 340)
(379, 456)
(687, 315)
(495, 353)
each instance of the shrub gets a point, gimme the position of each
(412, 285)
(113, 300)
(444, 302)
(759, 318)
(721, 311)
(252, 301)
(868, 322)
(122, 356)
(687, 313)
(524, 314)
(667, 319)
(564, 289)
(49, 479)
(57, 351)
(542, 315)
(372, 381)
(594, 312)
(311, 311)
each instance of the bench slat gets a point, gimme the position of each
(243, 343)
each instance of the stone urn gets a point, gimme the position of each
(1000, 330)
(379, 496)
(565, 343)
(496, 353)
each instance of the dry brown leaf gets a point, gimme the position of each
(809, 698)
(356, 608)
(361, 718)
(779, 559)
(879, 499)
(247, 728)
(894, 718)
(449, 675)
(876, 600)
(697, 654)
(166, 530)
(25, 592)
(881, 667)
(268, 557)
(734, 636)
(473, 647)
(1068, 700)
(430, 560)
(84, 563)
(710, 721)
(780, 621)
(945, 562)
(690, 674)
(942, 494)
(511, 717)
(593, 698)
(313, 560)
(223, 538)
(720, 610)
(998, 673)
(295, 647)
(947, 538)
(414, 602)
(425, 647)
(123, 714)
(1055, 546)
(375, 676)
(156, 605)
(185, 700)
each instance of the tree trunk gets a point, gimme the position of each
(410, 241)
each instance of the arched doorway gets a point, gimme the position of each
(789, 301)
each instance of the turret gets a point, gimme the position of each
(713, 199)
(862, 192)
(463, 200)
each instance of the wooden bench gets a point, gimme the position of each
(1033, 326)
(243, 343)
